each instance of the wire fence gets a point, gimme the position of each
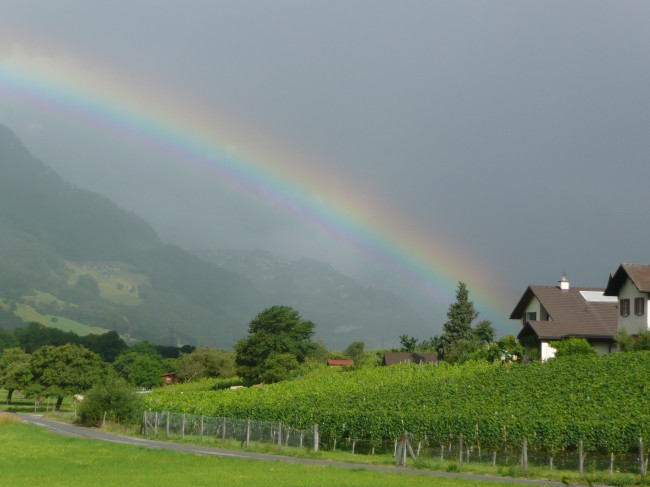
(171, 425)
(209, 429)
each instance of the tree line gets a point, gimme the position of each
(43, 361)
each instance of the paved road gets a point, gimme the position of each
(96, 434)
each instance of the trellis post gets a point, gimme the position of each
(316, 439)
(581, 459)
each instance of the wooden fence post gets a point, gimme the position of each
(460, 450)
(145, 432)
(167, 424)
(183, 426)
(248, 432)
(581, 458)
(316, 439)
(279, 435)
(223, 431)
(201, 430)
(524, 455)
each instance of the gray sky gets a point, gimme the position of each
(511, 136)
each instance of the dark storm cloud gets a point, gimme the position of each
(519, 130)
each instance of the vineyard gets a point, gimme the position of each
(595, 403)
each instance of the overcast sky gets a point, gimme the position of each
(512, 135)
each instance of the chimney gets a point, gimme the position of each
(564, 282)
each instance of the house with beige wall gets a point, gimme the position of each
(630, 285)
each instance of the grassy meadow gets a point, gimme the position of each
(27, 312)
(30, 455)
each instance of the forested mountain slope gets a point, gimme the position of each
(46, 224)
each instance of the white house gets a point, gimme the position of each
(550, 313)
(630, 286)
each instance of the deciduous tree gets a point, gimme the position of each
(205, 362)
(141, 365)
(276, 330)
(15, 370)
(65, 370)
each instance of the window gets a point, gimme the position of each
(530, 316)
(639, 306)
(624, 307)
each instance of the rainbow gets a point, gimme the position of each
(427, 263)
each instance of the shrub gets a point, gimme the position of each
(572, 346)
(113, 397)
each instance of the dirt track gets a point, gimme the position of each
(96, 434)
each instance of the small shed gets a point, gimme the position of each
(392, 358)
(340, 363)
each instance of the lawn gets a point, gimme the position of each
(30, 455)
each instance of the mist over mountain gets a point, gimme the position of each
(344, 310)
(72, 258)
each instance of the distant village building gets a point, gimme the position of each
(169, 378)
(340, 363)
(392, 358)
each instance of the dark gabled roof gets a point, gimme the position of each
(561, 305)
(552, 330)
(392, 358)
(569, 313)
(639, 274)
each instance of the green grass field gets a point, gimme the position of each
(117, 284)
(28, 314)
(30, 455)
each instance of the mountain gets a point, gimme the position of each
(73, 259)
(51, 233)
(344, 310)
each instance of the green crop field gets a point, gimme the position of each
(31, 455)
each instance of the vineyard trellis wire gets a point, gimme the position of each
(219, 430)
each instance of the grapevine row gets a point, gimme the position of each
(602, 401)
